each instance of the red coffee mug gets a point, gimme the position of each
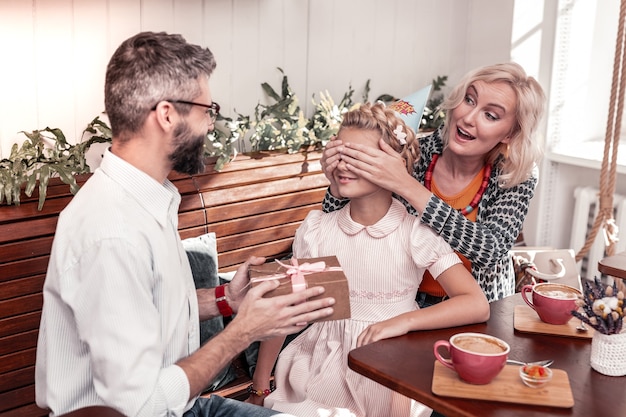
(476, 357)
(553, 302)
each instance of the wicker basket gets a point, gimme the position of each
(608, 353)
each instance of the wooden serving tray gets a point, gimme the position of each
(506, 387)
(525, 319)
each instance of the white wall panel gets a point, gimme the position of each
(218, 37)
(282, 35)
(494, 38)
(400, 46)
(158, 15)
(58, 49)
(188, 19)
(18, 90)
(54, 60)
(87, 70)
(247, 36)
(295, 51)
(123, 19)
(438, 48)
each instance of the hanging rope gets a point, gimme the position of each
(611, 141)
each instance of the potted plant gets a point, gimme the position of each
(603, 309)
(44, 154)
(278, 126)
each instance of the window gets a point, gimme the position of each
(581, 81)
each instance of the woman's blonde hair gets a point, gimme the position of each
(377, 117)
(525, 149)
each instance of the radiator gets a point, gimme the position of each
(585, 207)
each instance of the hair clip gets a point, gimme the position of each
(400, 135)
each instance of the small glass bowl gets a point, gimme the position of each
(535, 376)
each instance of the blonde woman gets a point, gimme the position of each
(475, 177)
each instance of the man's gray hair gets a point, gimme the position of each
(148, 68)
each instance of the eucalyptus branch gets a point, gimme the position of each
(44, 154)
(281, 124)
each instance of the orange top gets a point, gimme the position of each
(458, 201)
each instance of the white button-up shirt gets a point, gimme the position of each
(120, 306)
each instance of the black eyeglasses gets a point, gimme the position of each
(212, 109)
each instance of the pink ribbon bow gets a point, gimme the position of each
(297, 272)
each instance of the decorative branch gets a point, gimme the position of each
(603, 307)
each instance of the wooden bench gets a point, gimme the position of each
(254, 205)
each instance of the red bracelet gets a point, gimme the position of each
(220, 300)
(260, 393)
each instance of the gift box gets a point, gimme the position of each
(298, 274)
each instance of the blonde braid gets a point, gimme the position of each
(385, 121)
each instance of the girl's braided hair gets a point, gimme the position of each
(387, 122)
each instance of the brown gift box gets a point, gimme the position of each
(333, 281)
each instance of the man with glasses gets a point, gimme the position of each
(120, 321)
(212, 109)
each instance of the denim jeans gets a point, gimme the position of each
(216, 406)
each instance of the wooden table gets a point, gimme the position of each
(405, 364)
(614, 265)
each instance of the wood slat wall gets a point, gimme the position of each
(254, 206)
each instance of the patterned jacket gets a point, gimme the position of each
(486, 242)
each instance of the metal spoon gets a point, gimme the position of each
(581, 327)
(546, 362)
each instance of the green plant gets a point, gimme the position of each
(433, 116)
(278, 125)
(46, 153)
(223, 140)
(282, 124)
(327, 116)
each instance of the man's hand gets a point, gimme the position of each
(240, 284)
(257, 318)
(263, 318)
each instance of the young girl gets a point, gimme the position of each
(384, 252)
(475, 176)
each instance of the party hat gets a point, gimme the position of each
(411, 108)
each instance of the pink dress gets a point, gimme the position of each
(384, 264)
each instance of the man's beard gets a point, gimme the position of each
(188, 155)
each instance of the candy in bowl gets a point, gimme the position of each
(535, 376)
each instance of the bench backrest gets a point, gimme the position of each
(254, 205)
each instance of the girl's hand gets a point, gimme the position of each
(330, 160)
(384, 167)
(255, 399)
(396, 326)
